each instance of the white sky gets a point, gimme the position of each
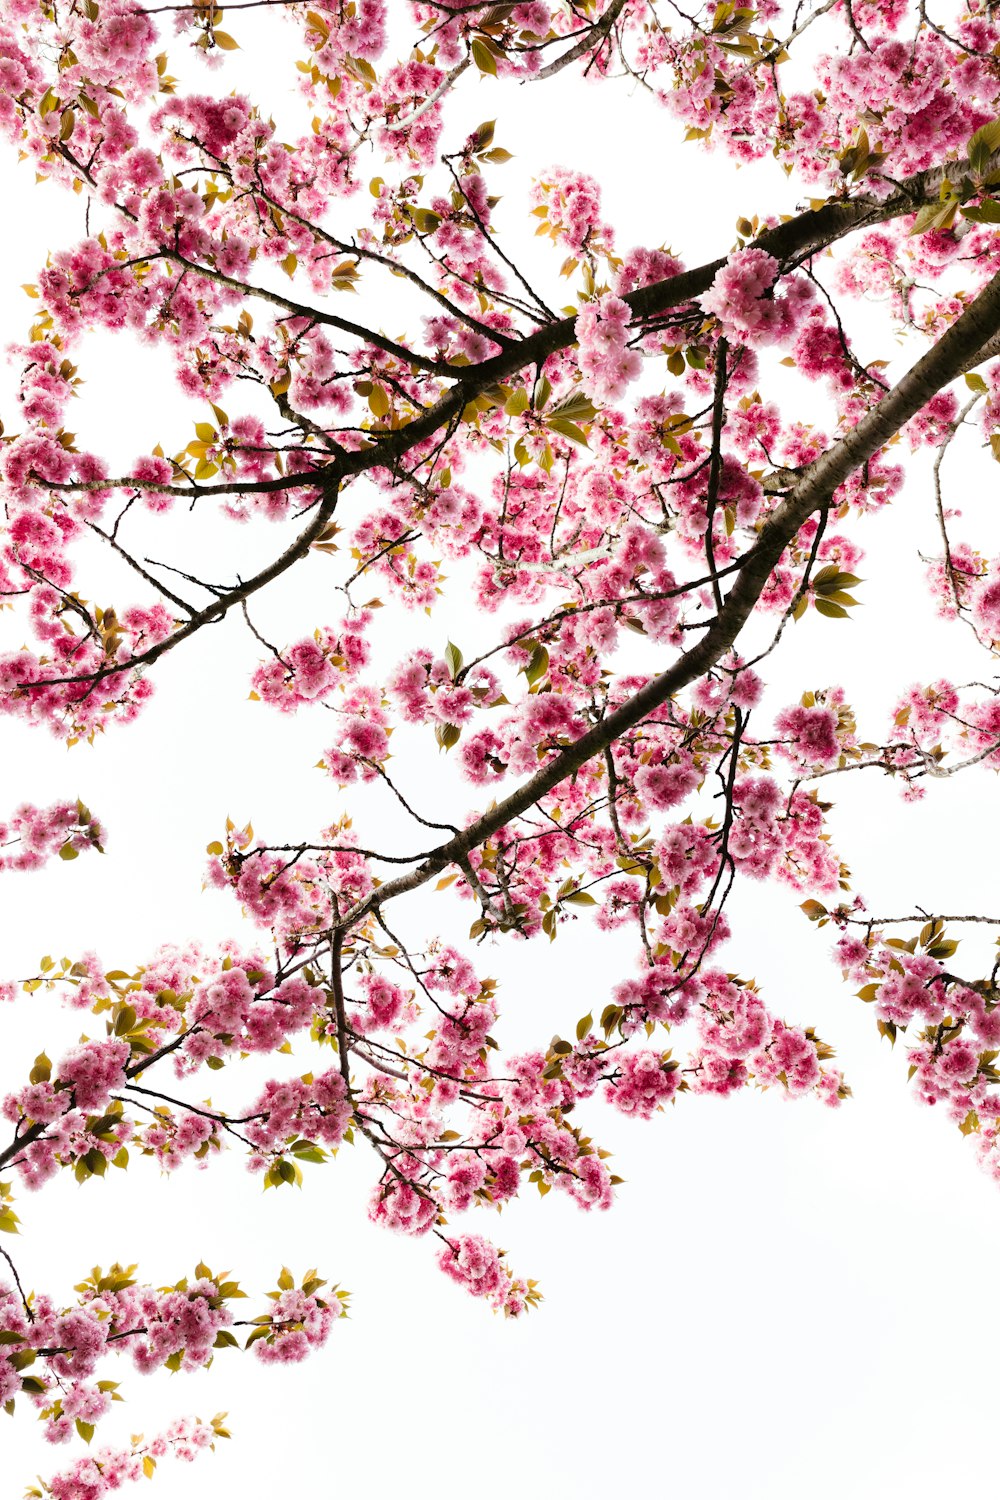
(784, 1297)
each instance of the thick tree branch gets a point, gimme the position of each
(979, 322)
(592, 38)
(807, 233)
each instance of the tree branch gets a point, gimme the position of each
(979, 322)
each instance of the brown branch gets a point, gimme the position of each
(161, 588)
(715, 464)
(337, 985)
(20, 1289)
(303, 310)
(219, 607)
(812, 492)
(814, 230)
(592, 38)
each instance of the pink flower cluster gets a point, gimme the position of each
(788, 842)
(178, 1327)
(290, 897)
(286, 1111)
(308, 671)
(645, 1082)
(742, 1043)
(363, 740)
(817, 732)
(404, 1208)
(569, 204)
(741, 298)
(105, 1471)
(31, 835)
(954, 1025)
(385, 1005)
(426, 690)
(607, 365)
(92, 1071)
(298, 1322)
(479, 1267)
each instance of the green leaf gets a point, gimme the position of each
(578, 407)
(42, 1070)
(425, 219)
(309, 1153)
(837, 596)
(935, 215)
(568, 429)
(610, 1016)
(125, 1020)
(482, 56)
(447, 735)
(982, 145)
(987, 211)
(453, 659)
(538, 664)
(831, 610)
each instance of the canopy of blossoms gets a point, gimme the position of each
(597, 458)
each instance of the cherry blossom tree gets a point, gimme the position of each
(611, 481)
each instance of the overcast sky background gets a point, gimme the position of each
(785, 1300)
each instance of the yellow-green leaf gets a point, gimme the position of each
(482, 56)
